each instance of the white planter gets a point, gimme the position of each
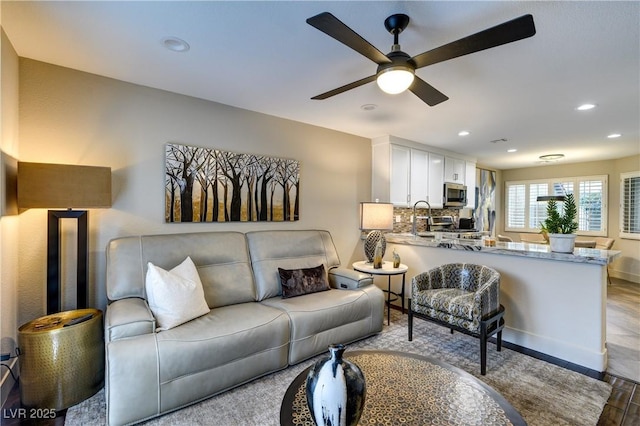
(562, 243)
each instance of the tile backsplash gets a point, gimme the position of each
(405, 225)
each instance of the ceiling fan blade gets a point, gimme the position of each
(514, 30)
(345, 88)
(332, 26)
(429, 94)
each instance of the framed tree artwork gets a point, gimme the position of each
(211, 185)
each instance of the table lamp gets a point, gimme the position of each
(64, 186)
(375, 217)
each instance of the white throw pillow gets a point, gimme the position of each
(175, 296)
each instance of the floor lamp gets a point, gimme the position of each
(58, 186)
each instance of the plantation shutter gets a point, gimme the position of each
(630, 205)
(516, 206)
(537, 209)
(591, 205)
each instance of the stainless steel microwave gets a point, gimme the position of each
(455, 195)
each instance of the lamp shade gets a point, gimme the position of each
(43, 185)
(376, 216)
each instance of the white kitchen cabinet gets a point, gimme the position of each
(419, 185)
(470, 182)
(436, 180)
(454, 170)
(403, 172)
(400, 175)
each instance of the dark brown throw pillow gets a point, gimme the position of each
(296, 282)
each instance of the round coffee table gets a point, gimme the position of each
(404, 388)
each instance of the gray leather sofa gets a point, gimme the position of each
(249, 332)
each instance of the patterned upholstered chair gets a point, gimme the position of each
(463, 297)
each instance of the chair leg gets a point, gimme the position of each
(451, 330)
(410, 321)
(483, 349)
(499, 341)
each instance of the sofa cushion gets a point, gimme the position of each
(270, 250)
(175, 296)
(320, 319)
(223, 336)
(296, 282)
(222, 260)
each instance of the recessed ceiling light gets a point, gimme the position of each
(551, 157)
(175, 44)
(369, 107)
(463, 133)
(586, 107)
(614, 135)
(512, 150)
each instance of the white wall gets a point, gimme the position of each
(71, 117)
(8, 219)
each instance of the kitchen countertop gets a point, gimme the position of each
(539, 251)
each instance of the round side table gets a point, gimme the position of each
(61, 359)
(388, 270)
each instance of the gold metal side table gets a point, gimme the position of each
(61, 359)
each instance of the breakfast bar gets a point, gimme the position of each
(555, 302)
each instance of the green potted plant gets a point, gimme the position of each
(561, 226)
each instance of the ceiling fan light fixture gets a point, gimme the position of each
(394, 80)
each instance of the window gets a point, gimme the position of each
(630, 205)
(525, 214)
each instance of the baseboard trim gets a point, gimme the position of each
(7, 382)
(627, 276)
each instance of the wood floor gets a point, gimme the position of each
(623, 372)
(623, 346)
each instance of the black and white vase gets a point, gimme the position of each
(336, 390)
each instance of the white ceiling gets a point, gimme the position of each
(263, 56)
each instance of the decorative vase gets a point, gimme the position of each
(562, 243)
(396, 259)
(377, 256)
(336, 390)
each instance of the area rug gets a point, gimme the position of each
(543, 393)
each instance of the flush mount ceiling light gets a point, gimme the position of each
(175, 44)
(614, 135)
(586, 107)
(551, 157)
(512, 150)
(464, 133)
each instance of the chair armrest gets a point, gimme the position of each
(348, 279)
(127, 318)
(487, 297)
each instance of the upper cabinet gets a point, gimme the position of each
(404, 174)
(454, 170)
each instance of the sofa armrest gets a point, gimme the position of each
(348, 279)
(127, 318)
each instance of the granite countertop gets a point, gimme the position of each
(538, 251)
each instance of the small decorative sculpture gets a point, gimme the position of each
(336, 390)
(377, 256)
(396, 259)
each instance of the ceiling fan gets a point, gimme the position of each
(396, 70)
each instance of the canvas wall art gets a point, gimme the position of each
(211, 185)
(486, 200)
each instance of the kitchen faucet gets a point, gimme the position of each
(415, 219)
